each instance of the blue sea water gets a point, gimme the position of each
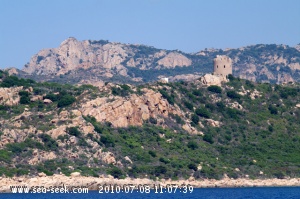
(205, 193)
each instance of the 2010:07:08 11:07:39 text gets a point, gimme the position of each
(159, 189)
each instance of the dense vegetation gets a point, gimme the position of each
(259, 134)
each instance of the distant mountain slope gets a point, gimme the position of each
(75, 60)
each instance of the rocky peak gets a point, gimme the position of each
(298, 47)
(68, 41)
(106, 57)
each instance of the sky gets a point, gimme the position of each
(187, 25)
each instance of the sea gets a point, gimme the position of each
(197, 193)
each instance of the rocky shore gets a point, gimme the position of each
(93, 183)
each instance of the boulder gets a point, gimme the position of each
(209, 79)
(128, 159)
(213, 123)
(10, 96)
(36, 98)
(75, 174)
(42, 174)
(47, 101)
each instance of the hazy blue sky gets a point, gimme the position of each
(27, 26)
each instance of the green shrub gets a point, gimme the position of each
(98, 129)
(210, 106)
(230, 77)
(208, 138)
(192, 145)
(33, 144)
(197, 92)
(5, 155)
(177, 118)
(4, 107)
(232, 113)
(286, 92)
(188, 105)
(153, 120)
(24, 100)
(221, 106)
(165, 95)
(10, 81)
(158, 170)
(195, 119)
(233, 95)
(279, 174)
(73, 131)
(16, 148)
(116, 172)
(249, 84)
(23, 93)
(66, 100)
(107, 140)
(214, 89)
(49, 143)
(273, 110)
(193, 166)
(51, 97)
(123, 90)
(202, 112)
(152, 153)
(40, 105)
(164, 160)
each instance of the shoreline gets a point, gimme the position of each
(93, 183)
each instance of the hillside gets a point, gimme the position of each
(89, 60)
(165, 130)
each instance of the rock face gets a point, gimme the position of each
(73, 54)
(12, 71)
(174, 59)
(210, 79)
(107, 58)
(10, 96)
(133, 111)
(185, 77)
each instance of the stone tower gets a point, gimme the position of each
(222, 65)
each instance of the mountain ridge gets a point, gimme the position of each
(94, 60)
